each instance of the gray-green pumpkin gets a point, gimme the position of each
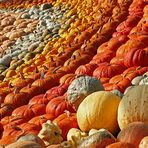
(80, 88)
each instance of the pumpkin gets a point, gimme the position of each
(67, 79)
(16, 98)
(80, 88)
(86, 69)
(4, 92)
(121, 81)
(58, 105)
(31, 90)
(105, 56)
(121, 145)
(144, 81)
(31, 137)
(136, 80)
(39, 120)
(21, 81)
(133, 106)
(136, 57)
(117, 60)
(39, 99)
(13, 120)
(102, 112)
(44, 83)
(108, 70)
(25, 144)
(5, 110)
(20, 130)
(66, 121)
(7, 140)
(130, 133)
(102, 138)
(57, 90)
(50, 133)
(144, 142)
(29, 111)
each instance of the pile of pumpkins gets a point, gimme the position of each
(86, 86)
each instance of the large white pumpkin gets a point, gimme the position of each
(133, 106)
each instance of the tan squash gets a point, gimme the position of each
(100, 139)
(24, 144)
(133, 106)
(31, 137)
(99, 110)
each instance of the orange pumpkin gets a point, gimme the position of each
(5, 110)
(16, 98)
(29, 111)
(39, 120)
(58, 105)
(133, 133)
(66, 121)
(121, 145)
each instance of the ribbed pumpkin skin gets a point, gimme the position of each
(99, 110)
(81, 88)
(133, 106)
(120, 145)
(133, 133)
(100, 139)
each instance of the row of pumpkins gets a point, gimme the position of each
(87, 88)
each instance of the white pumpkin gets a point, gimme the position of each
(144, 81)
(133, 106)
(136, 80)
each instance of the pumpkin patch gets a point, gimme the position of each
(73, 73)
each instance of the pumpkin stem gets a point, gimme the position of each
(69, 44)
(51, 58)
(21, 75)
(138, 68)
(110, 19)
(92, 26)
(10, 86)
(55, 69)
(16, 128)
(79, 32)
(29, 85)
(73, 57)
(46, 68)
(99, 30)
(67, 113)
(30, 106)
(35, 70)
(84, 44)
(16, 90)
(42, 74)
(45, 96)
(75, 41)
(42, 117)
